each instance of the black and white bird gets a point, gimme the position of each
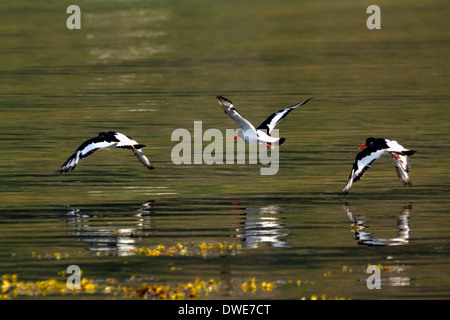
(374, 148)
(261, 134)
(105, 140)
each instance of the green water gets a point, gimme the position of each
(146, 68)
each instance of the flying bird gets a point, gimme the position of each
(262, 133)
(374, 148)
(105, 140)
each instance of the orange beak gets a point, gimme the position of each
(363, 146)
(234, 138)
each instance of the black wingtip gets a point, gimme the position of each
(61, 171)
(281, 141)
(307, 100)
(222, 98)
(302, 103)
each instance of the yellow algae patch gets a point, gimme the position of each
(252, 286)
(203, 249)
(390, 268)
(12, 287)
(346, 268)
(323, 297)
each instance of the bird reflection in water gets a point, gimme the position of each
(259, 227)
(110, 236)
(366, 238)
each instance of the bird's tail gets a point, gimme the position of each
(281, 141)
(408, 152)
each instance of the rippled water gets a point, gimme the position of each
(148, 68)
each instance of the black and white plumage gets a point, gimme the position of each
(261, 134)
(374, 148)
(105, 140)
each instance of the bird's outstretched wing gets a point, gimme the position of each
(401, 163)
(86, 149)
(142, 158)
(229, 109)
(269, 124)
(362, 163)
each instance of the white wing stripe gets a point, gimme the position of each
(95, 146)
(265, 137)
(277, 118)
(367, 161)
(124, 140)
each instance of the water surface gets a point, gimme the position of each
(147, 68)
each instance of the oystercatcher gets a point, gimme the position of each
(366, 238)
(262, 133)
(105, 140)
(374, 148)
